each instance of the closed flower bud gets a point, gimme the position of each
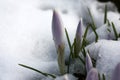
(79, 31)
(92, 75)
(78, 38)
(57, 29)
(89, 64)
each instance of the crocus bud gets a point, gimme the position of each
(116, 73)
(57, 29)
(92, 75)
(89, 64)
(78, 38)
(79, 31)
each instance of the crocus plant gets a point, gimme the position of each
(89, 64)
(75, 48)
(78, 38)
(58, 37)
(92, 75)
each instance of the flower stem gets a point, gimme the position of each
(61, 60)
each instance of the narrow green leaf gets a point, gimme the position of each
(119, 35)
(68, 39)
(45, 74)
(84, 42)
(86, 31)
(84, 52)
(105, 15)
(94, 26)
(68, 67)
(75, 47)
(115, 31)
(103, 77)
(81, 60)
(96, 39)
(99, 76)
(69, 43)
(71, 49)
(108, 22)
(108, 30)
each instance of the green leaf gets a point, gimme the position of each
(70, 47)
(96, 39)
(84, 52)
(69, 43)
(103, 77)
(68, 39)
(105, 15)
(84, 41)
(115, 31)
(76, 52)
(99, 76)
(81, 60)
(45, 74)
(94, 26)
(108, 30)
(71, 55)
(108, 22)
(68, 67)
(77, 48)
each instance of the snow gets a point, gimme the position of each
(66, 77)
(26, 37)
(103, 32)
(106, 52)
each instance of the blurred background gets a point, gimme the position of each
(116, 2)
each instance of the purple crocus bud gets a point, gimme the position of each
(58, 32)
(92, 75)
(78, 37)
(57, 29)
(89, 64)
(116, 73)
(79, 31)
